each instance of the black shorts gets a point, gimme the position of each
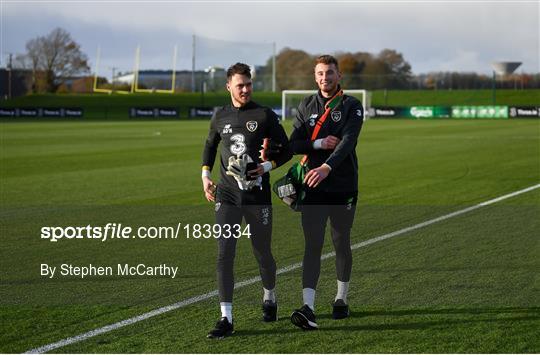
(316, 197)
(234, 196)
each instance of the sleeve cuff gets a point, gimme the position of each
(317, 144)
(267, 165)
(328, 166)
(206, 171)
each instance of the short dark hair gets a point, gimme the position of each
(327, 59)
(238, 68)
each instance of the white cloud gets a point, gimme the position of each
(439, 35)
(463, 59)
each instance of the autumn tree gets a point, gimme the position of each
(352, 69)
(294, 69)
(397, 70)
(53, 58)
(361, 70)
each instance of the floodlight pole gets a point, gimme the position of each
(135, 81)
(10, 69)
(174, 69)
(493, 88)
(193, 65)
(274, 67)
(137, 65)
(97, 66)
(113, 68)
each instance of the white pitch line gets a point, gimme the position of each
(205, 296)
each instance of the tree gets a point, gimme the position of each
(53, 59)
(351, 69)
(388, 69)
(373, 73)
(294, 69)
(397, 68)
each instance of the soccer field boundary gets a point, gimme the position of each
(208, 295)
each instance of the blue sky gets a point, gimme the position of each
(432, 35)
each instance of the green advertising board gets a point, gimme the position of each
(472, 112)
(479, 111)
(428, 112)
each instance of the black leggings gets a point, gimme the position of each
(259, 217)
(317, 209)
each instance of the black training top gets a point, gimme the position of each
(242, 130)
(344, 122)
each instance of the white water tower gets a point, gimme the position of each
(502, 68)
(505, 68)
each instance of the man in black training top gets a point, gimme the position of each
(331, 183)
(244, 189)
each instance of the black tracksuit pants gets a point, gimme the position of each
(255, 208)
(317, 208)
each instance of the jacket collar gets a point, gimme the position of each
(323, 100)
(249, 105)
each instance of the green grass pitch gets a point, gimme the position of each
(466, 284)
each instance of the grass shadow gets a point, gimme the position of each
(448, 318)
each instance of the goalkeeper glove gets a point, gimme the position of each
(238, 168)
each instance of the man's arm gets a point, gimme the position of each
(351, 131)
(279, 141)
(343, 148)
(208, 159)
(300, 142)
(278, 135)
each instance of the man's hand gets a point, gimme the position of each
(330, 142)
(209, 189)
(255, 173)
(270, 150)
(239, 167)
(314, 177)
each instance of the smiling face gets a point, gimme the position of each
(327, 77)
(240, 87)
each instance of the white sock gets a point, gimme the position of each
(309, 297)
(269, 295)
(226, 310)
(342, 290)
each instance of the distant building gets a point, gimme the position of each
(161, 79)
(21, 82)
(215, 78)
(77, 84)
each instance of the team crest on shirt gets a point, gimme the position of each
(251, 126)
(336, 116)
(227, 129)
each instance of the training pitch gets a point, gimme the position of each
(467, 282)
